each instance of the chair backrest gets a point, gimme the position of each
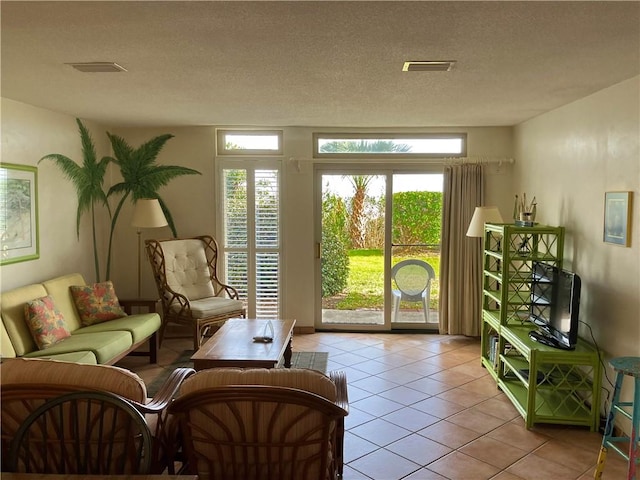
(412, 277)
(185, 265)
(27, 383)
(83, 433)
(257, 432)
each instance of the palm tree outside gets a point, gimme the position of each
(357, 219)
(360, 183)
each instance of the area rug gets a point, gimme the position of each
(313, 360)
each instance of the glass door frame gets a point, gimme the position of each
(361, 168)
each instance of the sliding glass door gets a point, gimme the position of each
(368, 220)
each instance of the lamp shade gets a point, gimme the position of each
(147, 213)
(482, 215)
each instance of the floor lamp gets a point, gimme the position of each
(482, 215)
(147, 213)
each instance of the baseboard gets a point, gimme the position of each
(304, 330)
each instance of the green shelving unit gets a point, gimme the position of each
(545, 384)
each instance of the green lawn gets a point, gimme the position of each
(365, 284)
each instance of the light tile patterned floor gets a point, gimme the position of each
(423, 408)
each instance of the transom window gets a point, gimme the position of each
(389, 145)
(249, 142)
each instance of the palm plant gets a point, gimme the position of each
(87, 180)
(142, 177)
(364, 146)
(360, 184)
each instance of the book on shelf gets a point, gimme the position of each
(494, 349)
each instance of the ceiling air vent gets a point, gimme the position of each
(98, 67)
(429, 66)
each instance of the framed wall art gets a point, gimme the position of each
(617, 218)
(18, 213)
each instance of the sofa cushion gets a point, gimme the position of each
(6, 347)
(92, 377)
(140, 326)
(12, 306)
(96, 303)
(300, 378)
(45, 321)
(87, 358)
(104, 345)
(58, 288)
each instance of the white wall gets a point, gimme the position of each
(569, 158)
(29, 133)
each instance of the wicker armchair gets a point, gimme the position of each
(185, 271)
(83, 433)
(261, 424)
(26, 384)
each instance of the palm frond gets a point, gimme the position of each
(161, 175)
(149, 151)
(69, 168)
(121, 149)
(88, 148)
(121, 187)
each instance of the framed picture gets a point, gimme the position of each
(18, 213)
(617, 218)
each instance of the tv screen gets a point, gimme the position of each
(555, 304)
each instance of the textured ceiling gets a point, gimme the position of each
(334, 64)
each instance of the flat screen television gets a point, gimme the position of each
(555, 305)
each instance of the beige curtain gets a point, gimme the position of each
(461, 256)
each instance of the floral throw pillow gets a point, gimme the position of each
(96, 303)
(45, 321)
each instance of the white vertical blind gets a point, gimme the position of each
(251, 207)
(267, 240)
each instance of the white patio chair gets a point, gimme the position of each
(413, 281)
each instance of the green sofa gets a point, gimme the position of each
(102, 343)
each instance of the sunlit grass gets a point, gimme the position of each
(365, 285)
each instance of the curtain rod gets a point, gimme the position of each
(480, 160)
(420, 160)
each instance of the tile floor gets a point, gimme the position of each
(423, 408)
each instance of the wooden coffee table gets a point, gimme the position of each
(233, 346)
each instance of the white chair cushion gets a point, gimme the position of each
(187, 269)
(213, 306)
